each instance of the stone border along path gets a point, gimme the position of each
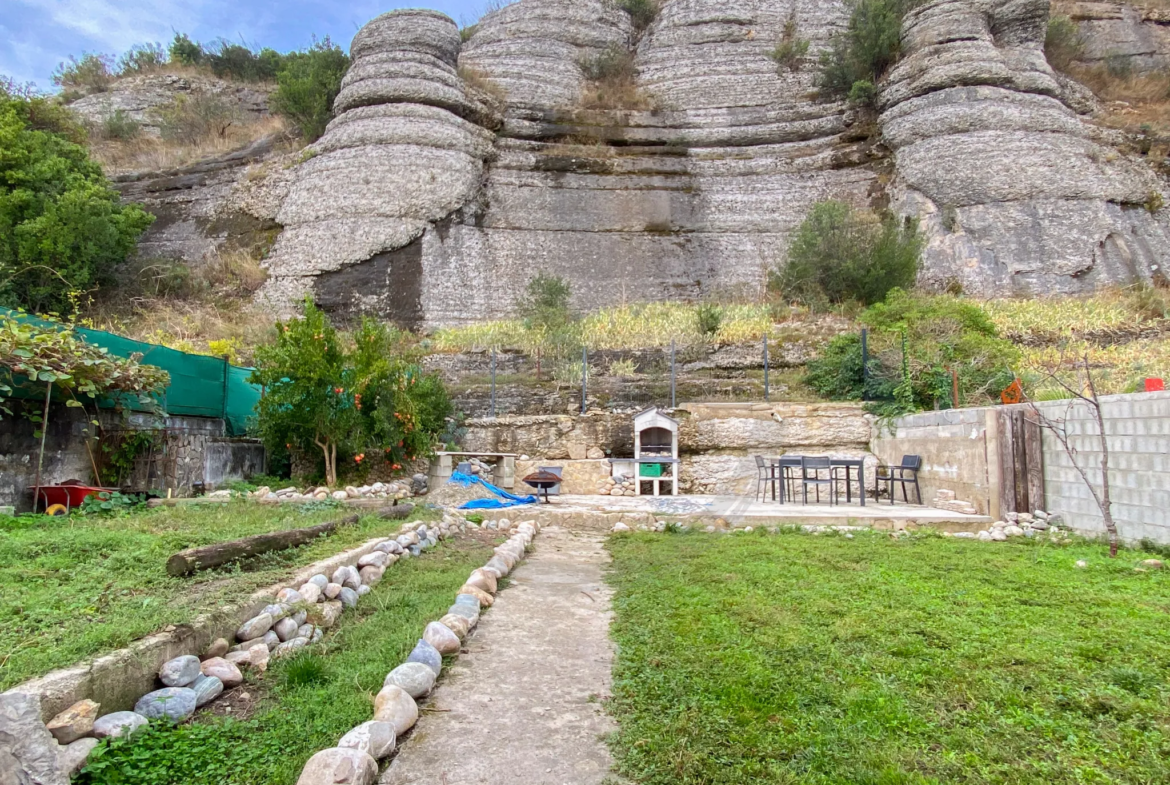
(525, 702)
(354, 761)
(55, 750)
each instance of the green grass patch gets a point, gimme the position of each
(307, 703)
(796, 658)
(72, 588)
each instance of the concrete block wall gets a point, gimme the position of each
(960, 452)
(954, 446)
(1137, 428)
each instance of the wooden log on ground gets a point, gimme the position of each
(396, 512)
(208, 556)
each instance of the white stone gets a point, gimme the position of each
(376, 739)
(413, 677)
(339, 766)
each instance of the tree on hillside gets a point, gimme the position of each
(361, 395)
(307, 84)
(63, 228)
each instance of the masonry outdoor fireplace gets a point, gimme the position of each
(656, 451)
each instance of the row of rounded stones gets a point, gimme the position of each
(279, 630)
(354, 761)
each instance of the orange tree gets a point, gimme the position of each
(354, 396)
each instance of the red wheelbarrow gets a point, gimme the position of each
(65, 496)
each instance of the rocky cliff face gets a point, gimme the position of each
(1018, 194)
(430, 201)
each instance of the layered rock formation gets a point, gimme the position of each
(1018, 194)
(1121, 35)
(404, 151)
(455, 171)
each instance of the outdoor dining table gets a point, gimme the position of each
(849, 464)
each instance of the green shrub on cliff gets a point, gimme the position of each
(870, 43)
(840, 254)
(63, 228)
(307, 84)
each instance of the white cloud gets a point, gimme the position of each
(114, 25)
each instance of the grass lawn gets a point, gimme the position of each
(72, 588)
(304, 704)
(795, 658)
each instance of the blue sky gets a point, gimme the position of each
(36, 35)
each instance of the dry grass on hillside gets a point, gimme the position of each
(153, 154)
(206, 311)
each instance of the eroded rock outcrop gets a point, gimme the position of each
(430, 201)
(406, 149)
(1017, 193)
(1122, 35)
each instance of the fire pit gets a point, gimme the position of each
(542, 480)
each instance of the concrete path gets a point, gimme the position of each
(523, 703)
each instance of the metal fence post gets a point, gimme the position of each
(864, 364)
(493, 384)
(584, 376)
(673, 389)
(767, 386)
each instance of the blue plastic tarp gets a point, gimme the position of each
(503, 498)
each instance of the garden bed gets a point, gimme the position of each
(262, 732)
(72, 588)
(824, 659)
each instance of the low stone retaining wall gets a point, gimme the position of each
(79, 705)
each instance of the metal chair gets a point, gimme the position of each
(816, 466)
(904, 474)
(765, 476)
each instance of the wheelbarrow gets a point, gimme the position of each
(61, 499)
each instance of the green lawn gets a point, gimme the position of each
(72, 588)
(305, 704)
(795, 658)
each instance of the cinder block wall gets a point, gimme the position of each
(1137, 428)
(960, 453)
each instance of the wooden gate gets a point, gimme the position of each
(1021, 461)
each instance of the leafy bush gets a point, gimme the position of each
(30, 353)
(41, 112)
(915, 342)
(111, 503)
(1063, 43)
(710, 317)
(308, 82)
(359, 396)
(792, 49)
(119, 126)
(190, 119)
(870, 43)
(236, 61)
(63, 229)
(184, 51)
(837, 373)
(141, 58)
(546, 302)
(93, 73)
(839, 254)
(642, 12)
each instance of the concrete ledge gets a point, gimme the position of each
(118, 679)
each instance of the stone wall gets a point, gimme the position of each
(193, 453)
(961, 448)
(717, 441)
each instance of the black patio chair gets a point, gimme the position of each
(904, 474)
(810, 474)
(765, 476)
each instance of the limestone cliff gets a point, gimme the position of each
(1018, 194)
(455, 170)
